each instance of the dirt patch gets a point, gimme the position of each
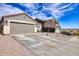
(49, 45)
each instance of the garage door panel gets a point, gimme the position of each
(18, 28)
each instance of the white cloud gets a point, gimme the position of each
(65, 6)
(54, 8)
(59, 12)
(41, 16)
(8, 9)
(29, 5)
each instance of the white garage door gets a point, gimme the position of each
(19, 28)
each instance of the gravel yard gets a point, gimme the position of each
(11, 47)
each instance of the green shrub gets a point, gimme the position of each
(66, 32)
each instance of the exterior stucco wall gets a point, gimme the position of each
(57, 28)
(22, 17)
(21, 24)
(38, 27)
(6, 27)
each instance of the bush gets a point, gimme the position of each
(66, 32)
(76, 34)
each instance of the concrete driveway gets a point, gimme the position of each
(42, 44)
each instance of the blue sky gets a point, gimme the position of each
(67, 14)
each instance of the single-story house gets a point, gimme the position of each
(21, 23)
(17, 24)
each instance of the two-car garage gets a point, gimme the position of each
(17, 24)
(19, 28)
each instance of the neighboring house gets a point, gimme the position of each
(17, 24)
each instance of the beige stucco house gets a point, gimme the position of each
(17, 24)
(21, 23)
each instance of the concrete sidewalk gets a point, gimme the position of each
(11, 47)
